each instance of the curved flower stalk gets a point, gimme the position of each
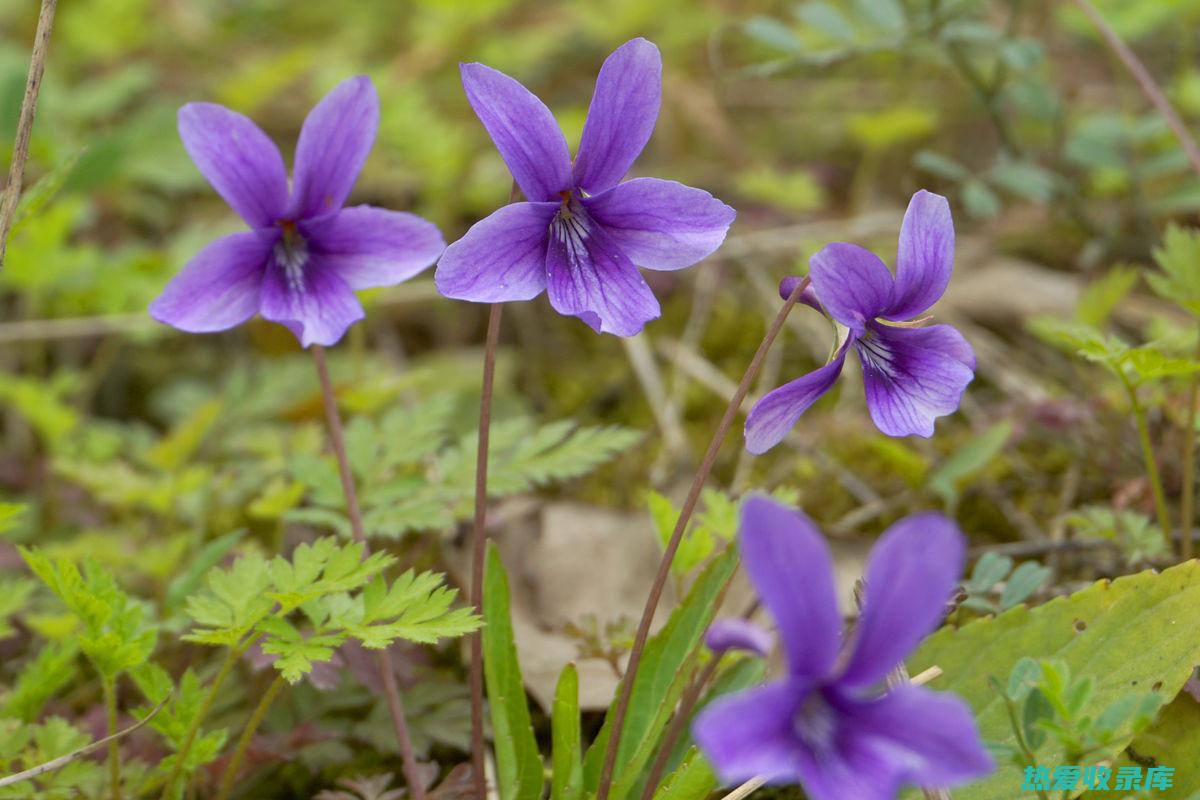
(582, 234)
(304, 255)
(826, 724)
(912, 374)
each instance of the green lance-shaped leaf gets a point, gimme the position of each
(566, 755)
(518, 763)
(666, 666)
(694, 780)
(1134, 634)
(948, 478)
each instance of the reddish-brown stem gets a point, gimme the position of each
(1145, 82)
(479, 548)
(685, 516)
(387, 671)
(20, 154)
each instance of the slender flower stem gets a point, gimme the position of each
(189, 737)
(1156, 486)
(1188, 439)
(243, 745)
(479, 548)
(337, 439)
(479, 538)
(114, 745)
(20, 154)
(685, 516)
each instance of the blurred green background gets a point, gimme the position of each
(140, 446)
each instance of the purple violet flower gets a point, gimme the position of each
(912, 375)
(305, 254)
(827, 724)
(582, 232)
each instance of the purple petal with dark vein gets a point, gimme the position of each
(772, 417)
(735, 633)
(501, 258)
(910, 575)
(220, 287)
(621, 117)
(912, 376)
(523, 129)
(751, 733)
(312, 301)
(588, 276)
(238, 159)
(925, 257)
(789, 564)
(334, 144)
(371, 247)
(851, 282)
(931, 738)
(661, 224)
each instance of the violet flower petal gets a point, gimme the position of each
(912, 376)
(789, 564)
(751, 733)
(778, 411)
(370, 247)
(219, 288)
(523, 129)
(931, 734)
(735, 633)
(925, 257)
(238, 159)
(334, 143)
(851, 282)
(588, 276)
(910, 575)
(501, 258)
(661, 224)
(621, 117)
(313, 302)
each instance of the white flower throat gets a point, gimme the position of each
(291, 252)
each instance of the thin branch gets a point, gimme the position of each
(16, 168)
(62, 761)
(664, 567)
(337, 438)
(1145, 82)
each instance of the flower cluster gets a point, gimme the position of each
(580, 235)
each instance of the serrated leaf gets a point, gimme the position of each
(1137, 631)
(1179, 260)
(518, 762)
